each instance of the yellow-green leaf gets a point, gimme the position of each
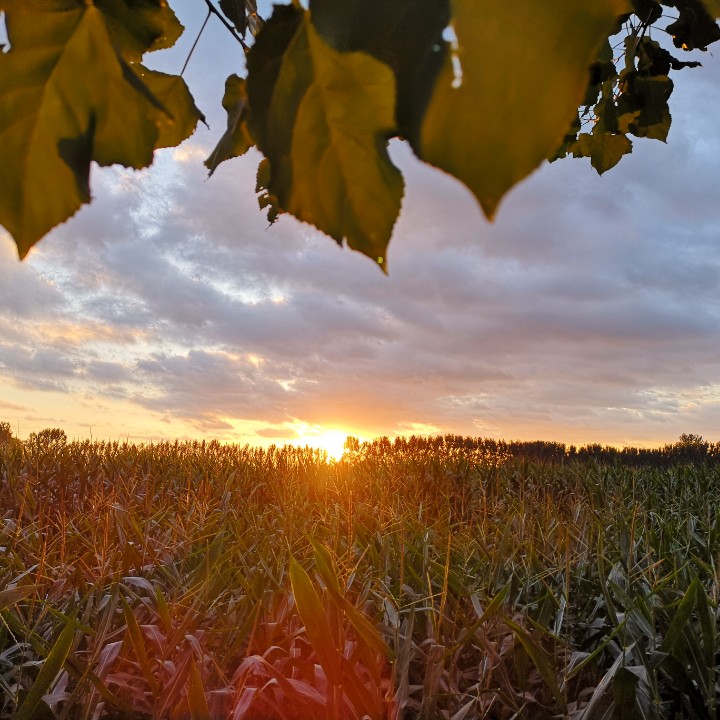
(603, 149)
(138, 643)
(325, 566)
(322, 118)
(197, 702)
(504, 101)
(713, 7)
(312, 613)
(67, 98)
(542, 661)
(51, 666)
(182, 114)
(11, 596)
(367, 633)
(139, 27)
(236, 140)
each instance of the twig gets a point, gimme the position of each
(192, 49)
(212, 9)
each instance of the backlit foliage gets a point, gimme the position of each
(483, 90)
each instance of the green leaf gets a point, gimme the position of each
(236, 140)
(140, 26)
(234, 11)
(48, 672)
(312, 614)
(625, 688)
(325, 567)
(197, 701)
(322, 119)
(406, 35)
(706, 615)
(542, 661)
(163, 611)
(603, 149)
(138, 644)
(675, 633)
(713, 7)
(11, 596)
(67, 97)
(643, 105)
(695, 27)
(504, 101)
(182, 114)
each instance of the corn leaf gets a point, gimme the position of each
(9, 597)
(138, 644)
(541, 660)
(197, 701)
(312, 613)
(675, 632)
(51, 666)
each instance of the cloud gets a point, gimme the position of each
(588, 311)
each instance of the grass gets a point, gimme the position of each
(416, 580)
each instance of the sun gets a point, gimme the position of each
(331, 441)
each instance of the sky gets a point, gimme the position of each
(589, 311)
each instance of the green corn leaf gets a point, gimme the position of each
(708, 627)
(541, 660)
(11, 596)
(52, 665)
(312, 613)
(678, 678)
(366, 631)
(325, 566)
(163, 611)
(490, 611)
(675, 632)
(138, 644)
(197, 701)
(596, 699)
(625, 688)
(75, 667)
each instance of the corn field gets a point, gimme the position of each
(408, 580)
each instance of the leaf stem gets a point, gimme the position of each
(194, 45)
(212, 9)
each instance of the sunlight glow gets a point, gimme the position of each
(331, 441)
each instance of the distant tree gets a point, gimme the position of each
(6, 435)
(485, 90)
(690, 448)
(47, 439)
(691, 440)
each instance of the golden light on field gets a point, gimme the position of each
(331, 441)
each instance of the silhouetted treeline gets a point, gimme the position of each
(687, 450)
